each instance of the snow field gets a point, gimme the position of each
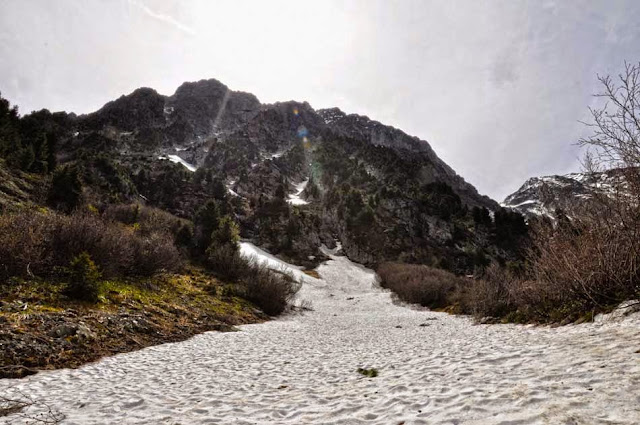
(301, 368)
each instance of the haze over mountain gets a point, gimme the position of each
(497, 89)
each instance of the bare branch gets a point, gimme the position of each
(14, 406)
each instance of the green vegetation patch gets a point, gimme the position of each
(369, 373)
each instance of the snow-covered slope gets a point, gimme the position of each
(541, 196)
(301, 369)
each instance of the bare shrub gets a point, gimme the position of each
(602, 252)
(575, 267)
(123, 213)
(590, 260)
(270, 290)
(153, 253)
(109, 245)
(158, 221)
(148, 219)
(584, 265)
(420, 284)
(24, 243)
(489, 296)
(45, 243)
(13, 404)
(226, 262)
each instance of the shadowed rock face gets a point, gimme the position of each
(201, 111)
(379, 190)
(143, 108)
(208, 106)
(377, 134)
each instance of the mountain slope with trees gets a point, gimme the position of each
(384, 194)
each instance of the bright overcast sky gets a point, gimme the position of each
(496, 87)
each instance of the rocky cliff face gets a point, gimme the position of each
(209, 107)
(407, 147)
(542, 196)
(383, 193)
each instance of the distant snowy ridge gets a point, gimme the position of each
(541, 196)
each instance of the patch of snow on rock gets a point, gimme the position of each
(178, 160)
(294, 199)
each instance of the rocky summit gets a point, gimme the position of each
(569, 194)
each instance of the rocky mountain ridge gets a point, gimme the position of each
(199, 113)
(294, 177)
(542, 196)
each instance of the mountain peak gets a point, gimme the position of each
(541, 196)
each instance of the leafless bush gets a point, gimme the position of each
(584, 262)
(148, 219)
(123, 213)
(492, 295)
(44, 243)
(23, 243)
(109, 245)
(155, 252)
(593, 259)
(226, 262)
(420, 284)
(272, 291)
(590, 263)
(590, 259)
(13, 404)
